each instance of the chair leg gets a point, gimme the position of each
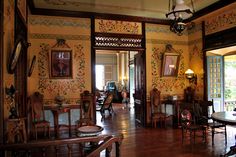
(225, 135)
(49, 131)
(212, 135)
(36, 133)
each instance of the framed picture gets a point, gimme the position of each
(61, 64)
(170, 64)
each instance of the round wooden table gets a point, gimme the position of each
(228, 118)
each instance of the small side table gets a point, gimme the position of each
(16, 132)
(56, 111)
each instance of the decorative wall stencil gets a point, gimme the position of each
(59, 22)
(58, 36)
(166, 84)
(172, 42)
(61, 86)
(197, 27)
(161, 29)
(111, 26)
(195, 51)
(221, 22)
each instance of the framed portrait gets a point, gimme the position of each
(61, 64)
(170, 64)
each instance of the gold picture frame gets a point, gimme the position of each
(170, 65)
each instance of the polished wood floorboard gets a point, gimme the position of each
(153, 142)
(160, 142)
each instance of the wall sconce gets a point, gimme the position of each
(191, 76)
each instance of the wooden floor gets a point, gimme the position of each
(161, 142)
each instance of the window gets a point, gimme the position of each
(100, 81)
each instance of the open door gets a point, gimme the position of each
(140, 88)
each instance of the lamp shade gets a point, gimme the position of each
(180, 10)
(189, 73)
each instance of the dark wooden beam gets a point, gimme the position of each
(215, 6)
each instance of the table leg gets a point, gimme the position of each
(232, 150)
(69, 118)
(56, 127)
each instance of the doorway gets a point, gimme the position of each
(114, 72)
(221, 83)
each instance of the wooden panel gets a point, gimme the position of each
(220, 39)
(140, 88)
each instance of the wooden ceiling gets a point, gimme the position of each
(146, 9)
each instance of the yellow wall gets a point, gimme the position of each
(44, 30)
(157, 36)
(42, 34)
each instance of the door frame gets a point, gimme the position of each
(1, 76)
(213, 41)
(93, 55)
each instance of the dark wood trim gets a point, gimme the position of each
(211, 8)
(118, 35)
(204, 64)
(220, 39)
(145, 76)
(93, 63)
(1, 77)
(119, 48)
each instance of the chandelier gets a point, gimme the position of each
(178, 12)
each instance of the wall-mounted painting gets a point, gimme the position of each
(170, 64)
(61, 64)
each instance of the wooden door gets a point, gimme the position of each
(140, 88)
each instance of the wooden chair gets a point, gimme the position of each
(204, 117)
(87, 101)
(188, 125)
(37, 114)
(156, 111)
(106, 105)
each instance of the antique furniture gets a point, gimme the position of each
(207, 108)
(89, 130)
(15, 130)
(37, 114)
(227, 118)
(106, 105)
(56, 111)
(188, 125)
(156, 111)
(87, 101)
